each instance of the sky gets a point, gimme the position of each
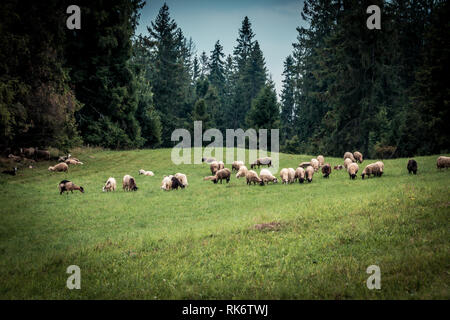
(274, 24)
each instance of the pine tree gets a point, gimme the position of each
(288, 100)
(216, 66)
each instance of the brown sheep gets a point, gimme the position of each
(300, 174)
(372, 168)
(60, 167)
(267, 161)
(309, 173)
(412, 166)
(252, 176)
(214, 167)
(129, 184)
(223, 174)
(358, 156)
(350, 156)
(326, 170)
(67, 186)
(236, 165)
(443, 162)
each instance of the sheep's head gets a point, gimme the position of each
(301, 180)
(309, 179)
(261, 183)
(353, 175)
(81, 189)
(50, 168)
(275, 180)
(362, 175)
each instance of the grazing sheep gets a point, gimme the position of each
(412, 166)
(67, 186)
(252, 176)
(321, 160)
(309, 173)
(166, 183)
(443, 162)
(129, 183)
(110, 185)
(326, 170)
(304, 164)
(352, 170)
(214, 167)
(284, 175)
(15, 158)
(176, 183)
(242, 172)
(42, 154)
(12, 172)
(350, 156)
(73, 161)
(372, 168)
(291, 175)
(146, 173)
(265, 175)
(267, 161)
(59, 167)
(182, 178)
(208, 160)
(223, 174)
(347, 161)
(236, 165)
(28, 152)
(300, 174)
(339, 167)
(381, 165)
(358, 156)
(221, 165)
(315, 164)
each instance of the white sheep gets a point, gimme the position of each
(182, 178)
(146, 173)
(265, 175)
(110, 185)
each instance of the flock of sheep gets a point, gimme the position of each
(305, 171)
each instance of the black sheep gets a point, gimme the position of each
(10, 172)
(412, 166)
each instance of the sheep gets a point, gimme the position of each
(358, 156)
(183, 179)
(347, 161)
(321, 160)
(284, 175)
(309, 173)
(381, 165)
(214, 166)
(28, 152)
(129, 183)
(412, 166)
(110, 185)
(304, 164)
(339, 167)
(236, 165)
(291, 175)
(166, 183)
(372, 168)
(252, 176)
(265, 175)
(14, 158)
(12, 172)
(326, 170)
(443, 162)
(208, 160)
(146, 173)
(42, 154)
(223, 174)
(262, 161)
(59, 167)
(350, 156)
(73, 161)
(66, 185)
(315, 164)
(242, 172)
(300, 174)
(221, 165)
(352, 170)
(176, 183)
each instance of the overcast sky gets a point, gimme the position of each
(273, 22)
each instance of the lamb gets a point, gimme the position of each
(166, 183)
(304, 164)
(300, 174)
(315, 164)
(321, 160)
(326, 170)
(412, 166)
(59, 167)
(182, 179)
(252, 176)
(339, 167)
(66, 185)
(372, 168)
(110, 185)
(350, 156)
(443, 162)
(146, 173)
(262, 161)
(12, 172)
(236, 165)
(352, 170)
(208, 160)
(129, 183)
(214, 167)
(265, 175)
(358, 156)
(73, 161)
(309, 173)
(223, 174)
(242, 172)
(381, 165)
(347, 161)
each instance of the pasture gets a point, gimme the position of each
(201, 243)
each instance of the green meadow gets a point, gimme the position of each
(201, 242)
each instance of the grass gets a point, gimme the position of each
(200, 242)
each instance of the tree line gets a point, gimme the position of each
(345, 87)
